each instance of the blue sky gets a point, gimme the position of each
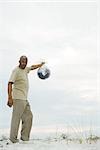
(64, 34)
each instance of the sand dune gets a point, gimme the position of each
(48, 144)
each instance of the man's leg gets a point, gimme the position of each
(18, 109)
(26, 123)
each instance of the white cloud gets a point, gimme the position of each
(66, 39)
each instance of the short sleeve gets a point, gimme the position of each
(28, 69)
(13, 76)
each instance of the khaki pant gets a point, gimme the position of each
(21, 112)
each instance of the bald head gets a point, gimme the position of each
(23, 62)
(23, 57)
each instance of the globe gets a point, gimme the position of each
(43, 73)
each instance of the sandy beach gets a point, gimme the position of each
(49, 144)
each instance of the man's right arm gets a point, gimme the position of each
(10, 100)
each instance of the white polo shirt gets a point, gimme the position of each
(19, 77)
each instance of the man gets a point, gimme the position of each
(17, 97)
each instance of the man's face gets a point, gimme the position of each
(23, 63)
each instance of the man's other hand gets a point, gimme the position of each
(10, 102)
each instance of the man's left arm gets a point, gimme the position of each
(37, 66)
